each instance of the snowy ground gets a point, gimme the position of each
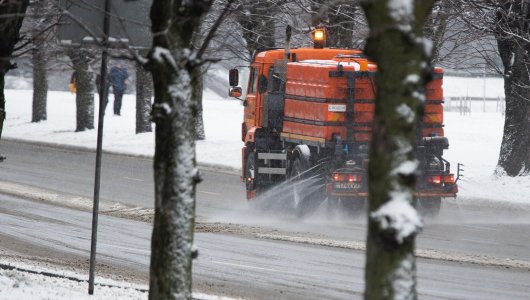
(19, 284)
(474, 141)
(222, 120)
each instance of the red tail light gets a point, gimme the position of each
(338, 177)
(449, 178)
(343, 177)
(354, 178)
(436, 179)
(439, 179)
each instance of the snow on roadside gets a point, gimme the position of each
(21, 285)
(17, 283)
(475, 141)
(222, 119)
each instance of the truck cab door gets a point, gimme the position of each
(253, 99)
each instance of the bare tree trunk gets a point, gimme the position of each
(144, 92)
(84, 99)
(11, 17)
(39, 59)
(196, 96)
(175, 170)
(397, 46)
(513, 23)
(40, 80)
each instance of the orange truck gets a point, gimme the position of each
(308, 118)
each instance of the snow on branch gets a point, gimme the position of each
(164, 56)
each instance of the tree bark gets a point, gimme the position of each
(513, 22)
(172, 65)
(396, 45)
(11, 17)
(84, 99)
(196, 96)
(144, 93)
(40, 80)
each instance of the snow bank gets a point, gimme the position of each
(17, 284)
(23, 281)
(475, 141)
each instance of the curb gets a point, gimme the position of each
(80, 203)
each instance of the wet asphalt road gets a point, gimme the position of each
(246, 267)
(262, 269)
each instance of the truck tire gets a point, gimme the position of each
(254, 204)
(428, 207)
(250, 171)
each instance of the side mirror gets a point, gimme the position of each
(233, 77)
(235, 92)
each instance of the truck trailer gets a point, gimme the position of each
(308, 113)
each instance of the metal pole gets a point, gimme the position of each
(103, 94)
(484, 91)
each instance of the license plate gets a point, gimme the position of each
(347, 186)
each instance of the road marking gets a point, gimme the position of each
(245, 266)
(134, 179)
(210, 193)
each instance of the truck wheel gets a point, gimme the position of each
(297, 189)
(250, 171)
(250, 181)
(428, 207)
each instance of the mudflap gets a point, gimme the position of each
(346, 206)
(428, 207)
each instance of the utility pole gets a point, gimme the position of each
(103, 94)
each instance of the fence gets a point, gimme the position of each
(467, 105)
